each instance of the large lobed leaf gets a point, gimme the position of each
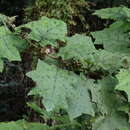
(80, 47)
(113, 40)
(106, 60)
(115, 13)
(10, 126)
(107, 103)
(46, 30)
(62, 89)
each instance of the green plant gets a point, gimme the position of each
(77, 83)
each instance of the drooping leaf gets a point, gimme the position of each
(115, 13)
(9, 46)
(46, 30)
(124, 82)
(61, 89)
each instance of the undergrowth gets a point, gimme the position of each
(77, 85)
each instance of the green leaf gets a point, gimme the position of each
(122, 25)
(81, 104)
(31, 126)
(9, 45)
(107, 103)
(10, 126)
(126, 109)
(7, 49)
(115, 121)
(115, 13)
(104, 97)
(79, 46)
(42, 112)
(113, 40)
(62, 89)
(124, 82)
(106, 60)
(46, 30)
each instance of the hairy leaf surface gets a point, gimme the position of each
(10, 126)
(79, 46)
(61, 89)
(113, 40)
(46, 30)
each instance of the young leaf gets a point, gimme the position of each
(62, 89)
